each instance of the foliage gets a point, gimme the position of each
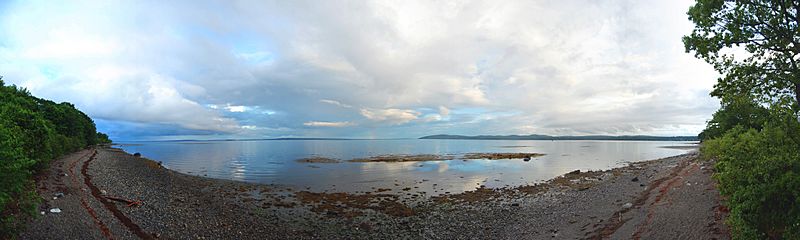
(755, 45)
(32, 132)
(102, 138)
(764, 36)
(738, 112)
(759, 171)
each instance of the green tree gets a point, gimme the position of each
(753, 43)
(741, 111)
(102, 138)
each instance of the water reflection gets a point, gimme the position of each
(273, 162)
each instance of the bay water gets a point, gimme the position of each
(274, 162)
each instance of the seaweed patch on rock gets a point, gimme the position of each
(351, 205)
(496, 156)
(317, 160)
(404, 158)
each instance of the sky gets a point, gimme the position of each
(158, 70)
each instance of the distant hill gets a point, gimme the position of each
(546, 137)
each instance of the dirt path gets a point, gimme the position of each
(682, 205)
(83, 215)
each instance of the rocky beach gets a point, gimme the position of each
(105, 193)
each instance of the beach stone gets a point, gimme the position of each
(627, 205)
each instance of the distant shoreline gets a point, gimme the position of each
(449, 137)
(264, 139)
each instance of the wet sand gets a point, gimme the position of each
(661, 199)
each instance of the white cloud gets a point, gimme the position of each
(391, 115)
(259, 57)
(444, 112)
(328, 124)
(236, 108)
(558, 66)
(336, 103)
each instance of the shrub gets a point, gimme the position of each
(33, 131)
(759, 172)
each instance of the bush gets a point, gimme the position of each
(33, 131)
(759, 172)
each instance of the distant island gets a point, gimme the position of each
(547, 137)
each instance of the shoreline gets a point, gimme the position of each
(178, 205)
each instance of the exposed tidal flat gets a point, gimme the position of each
(640, 199)
(426, 157)
(430, 166)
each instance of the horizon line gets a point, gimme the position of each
(403, 138)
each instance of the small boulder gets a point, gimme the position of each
(55, 210)
(137, 154)
(635, 179)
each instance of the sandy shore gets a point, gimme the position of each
(671, 198)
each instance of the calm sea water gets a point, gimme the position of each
(273, 162)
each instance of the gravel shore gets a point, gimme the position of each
(670, 198)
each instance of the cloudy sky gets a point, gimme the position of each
(364, 69)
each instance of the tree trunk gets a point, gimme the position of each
(797, 93)
(797, 98)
